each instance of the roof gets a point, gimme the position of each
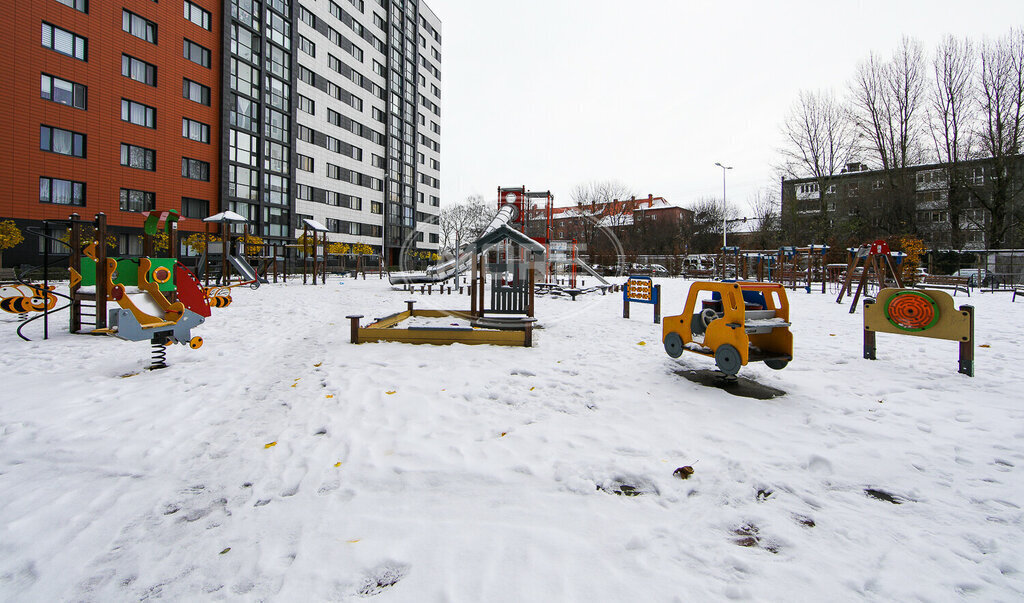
(225, 216)
(314, 225)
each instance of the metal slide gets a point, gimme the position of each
(593, 272)
(446, 270)
(245, 270)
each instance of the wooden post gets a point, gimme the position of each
(323, 269)
(101, 270)
(224, 235)
(869, 336)
(472, 289)
(528, 335)
(302, 250)
(409, 303)
(206, 251)
(533, 284)
(625, 307)
(75, 261)
(354, 327)
(483, 285)
(967, 347)
(657, 304)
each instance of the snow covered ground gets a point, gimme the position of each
(279, 462)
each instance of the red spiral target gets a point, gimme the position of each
(912, 311)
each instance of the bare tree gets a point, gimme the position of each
(464, 222)
(595, 205)
(951, 117)
(888, 106)
(767, 218)
(1001, 95)
(705, 232)
(819, 143)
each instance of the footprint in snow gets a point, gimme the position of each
(382, 577)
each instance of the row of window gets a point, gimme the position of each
(58, 191)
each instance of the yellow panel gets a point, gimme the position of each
(953, 324)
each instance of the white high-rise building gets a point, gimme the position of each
(367, 121)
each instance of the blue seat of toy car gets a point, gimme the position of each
(752, 300)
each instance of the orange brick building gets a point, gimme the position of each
(109, 107)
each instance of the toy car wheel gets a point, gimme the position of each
(728, 359)
(776, 363)
(674, 345)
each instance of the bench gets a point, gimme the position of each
(955, 283)
(1017, 291)
(7, 275)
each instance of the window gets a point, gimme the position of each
(976, 176)
(138, 70)
(303, 133)
(307, 105)
(305, 163)
(62, 142)
(197, 15)
(138, 157)
(138, 114)
(195, 169)
(196, 53)
(133, 200)
(62, 91)
(195, 130)
(194, 208)
(196, 92)
(304, 192)
(307, 46)
(61, 192)
(138, 26)
(876, 185)
(79, 5)
(305, 75)
(376, 207)
(333, 171)
(65, 42)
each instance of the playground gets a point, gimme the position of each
(280, 461)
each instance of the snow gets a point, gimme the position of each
(280, 462)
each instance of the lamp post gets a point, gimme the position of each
(724, 167)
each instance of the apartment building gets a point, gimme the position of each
(109, 107)
(926, 200)
(327, 104)
(326, 109)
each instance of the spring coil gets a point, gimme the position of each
(159, 355)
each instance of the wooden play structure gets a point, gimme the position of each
(742, 322)
(641, 290)
(871, 263)
(920, 313)
(510, 259)
(223, 260)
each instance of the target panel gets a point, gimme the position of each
(912, 311)
(639, 289)
(921, 313)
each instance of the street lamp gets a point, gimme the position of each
(724, 167)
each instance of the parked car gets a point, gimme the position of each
(976, 277)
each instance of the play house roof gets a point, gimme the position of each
(225, 216)
(314, 225)
(507, 233)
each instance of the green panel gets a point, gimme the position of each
(128, 272)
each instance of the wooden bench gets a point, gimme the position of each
(955, 283)
(1017, 291)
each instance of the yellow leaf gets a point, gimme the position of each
(338, 464)
(390, 392)
(318, 364)
(298, 378)
(330, 395)
(532, 388)
(294, 384)
(641, 343)
(353, 541)
(270, 445)
(225, 550)
(984, 345)
(831, 334)
(504, 433)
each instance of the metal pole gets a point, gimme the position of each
(724, 243)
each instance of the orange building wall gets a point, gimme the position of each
(22, 110)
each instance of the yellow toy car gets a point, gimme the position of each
(741, 322)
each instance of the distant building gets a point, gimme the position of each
(928, 200)
(570, 221)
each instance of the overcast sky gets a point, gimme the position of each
(553, 93)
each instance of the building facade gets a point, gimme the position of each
(326, 109)
(974, 205)
(109, 107)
